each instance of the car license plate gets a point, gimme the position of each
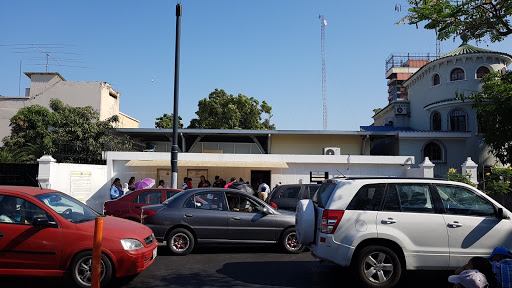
(154, 253)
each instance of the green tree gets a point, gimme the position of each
(493, 105)
(225, 111)
(474, 18)
(70, 134)
(167, 121)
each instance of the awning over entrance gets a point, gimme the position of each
(188, 163)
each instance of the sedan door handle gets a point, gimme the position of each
(454, 224)
(188, 215)
(137, 207)
(1, 235)
(235, 218)
(388, 221)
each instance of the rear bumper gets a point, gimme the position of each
(333, 252)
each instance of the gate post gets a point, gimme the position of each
(469, 168)
(44, 171)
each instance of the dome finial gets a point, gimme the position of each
(464, 37)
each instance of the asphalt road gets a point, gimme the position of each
(242, 266)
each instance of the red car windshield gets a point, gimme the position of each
(68, 207)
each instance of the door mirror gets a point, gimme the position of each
(266, 211)
(43, 222)
(501, 214)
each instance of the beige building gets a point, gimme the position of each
(45, 86)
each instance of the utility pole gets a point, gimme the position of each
(174, 148)
(324, 89)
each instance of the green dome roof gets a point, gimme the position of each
(465, 49)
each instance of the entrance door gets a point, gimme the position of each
(256, 175)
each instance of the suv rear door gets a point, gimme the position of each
(408, 217)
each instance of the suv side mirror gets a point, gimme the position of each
(501, 214)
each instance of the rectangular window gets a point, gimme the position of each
(368, 198)
(461, 201)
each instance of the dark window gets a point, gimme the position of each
(205, 200)
(19, 211)
(367, 198)
(312, 190)
(287, 192)
(241, 203)
(482, 71)
(461, 201)
(436, 121)
(169, 194)
(433, 151)
(415, 198)
(324, 194)
(436, 80)
(391, 202)
(457, 120)
(149, 197)
(481, 125)
(457, 74)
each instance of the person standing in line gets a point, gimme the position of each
(218, 182)
(189, 182)
(116, 190)
(161, 184)
(233, 180)
(263, 190)
(185, 184)
(204, 182)
(131, 184)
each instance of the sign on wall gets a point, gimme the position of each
(81, 185)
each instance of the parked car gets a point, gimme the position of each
(130, 205)
(383, 226)
(217, 215)
(286, 196)
(48, 233)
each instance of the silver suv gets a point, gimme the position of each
(382, 226)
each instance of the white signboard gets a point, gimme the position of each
(81, 185)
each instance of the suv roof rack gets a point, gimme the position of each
(386, 177)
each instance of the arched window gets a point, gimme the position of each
(457, 120)
(503, 71)
(436, 80)
(457, 74)
(481, 72)
(434, 151)
(435, 121)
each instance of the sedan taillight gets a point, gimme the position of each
(330, 220)
(146, 213)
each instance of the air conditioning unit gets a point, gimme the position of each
(400, 110)
(332, 151)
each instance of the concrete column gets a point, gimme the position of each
(44, 172)
(427, 168)
(470, 168)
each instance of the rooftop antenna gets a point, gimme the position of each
(323, 23)
(47, 56)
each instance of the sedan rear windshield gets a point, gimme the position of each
(324, 193)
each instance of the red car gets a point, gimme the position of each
(48, 233)
(130, 205)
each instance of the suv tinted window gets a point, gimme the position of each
(391, 202)
(368, 197)
(287, 192)
(324, 193)
(461, 201)
(312, 190)
(413, 197)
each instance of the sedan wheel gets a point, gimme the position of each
(289, 241)
(81, 269)
(180, 241)
(378, 267)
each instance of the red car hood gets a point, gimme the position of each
(118, 228)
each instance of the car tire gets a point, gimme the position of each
(180, 242)
(81, 270)
(305, 221)
(289, 242)
(378, 267)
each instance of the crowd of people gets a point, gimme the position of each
(492, 272)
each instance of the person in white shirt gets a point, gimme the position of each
(263, 190)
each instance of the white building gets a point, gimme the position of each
(433, 122)
(45, 86)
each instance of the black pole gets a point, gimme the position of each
(174, 148)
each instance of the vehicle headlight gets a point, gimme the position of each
(131, 244)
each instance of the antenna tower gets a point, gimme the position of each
(323, 23)
(438, 47)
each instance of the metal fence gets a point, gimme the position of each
(18, 174)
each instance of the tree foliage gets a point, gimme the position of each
(167, 121)
(225, 111)
(476, 19)
(493, 105)
(70, 134)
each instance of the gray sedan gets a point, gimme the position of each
(217, 215)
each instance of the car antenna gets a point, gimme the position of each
(341, 173)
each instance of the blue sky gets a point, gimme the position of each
(269, 50)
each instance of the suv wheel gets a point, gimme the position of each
(289, 241)
(180, 242)
(378, 266)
